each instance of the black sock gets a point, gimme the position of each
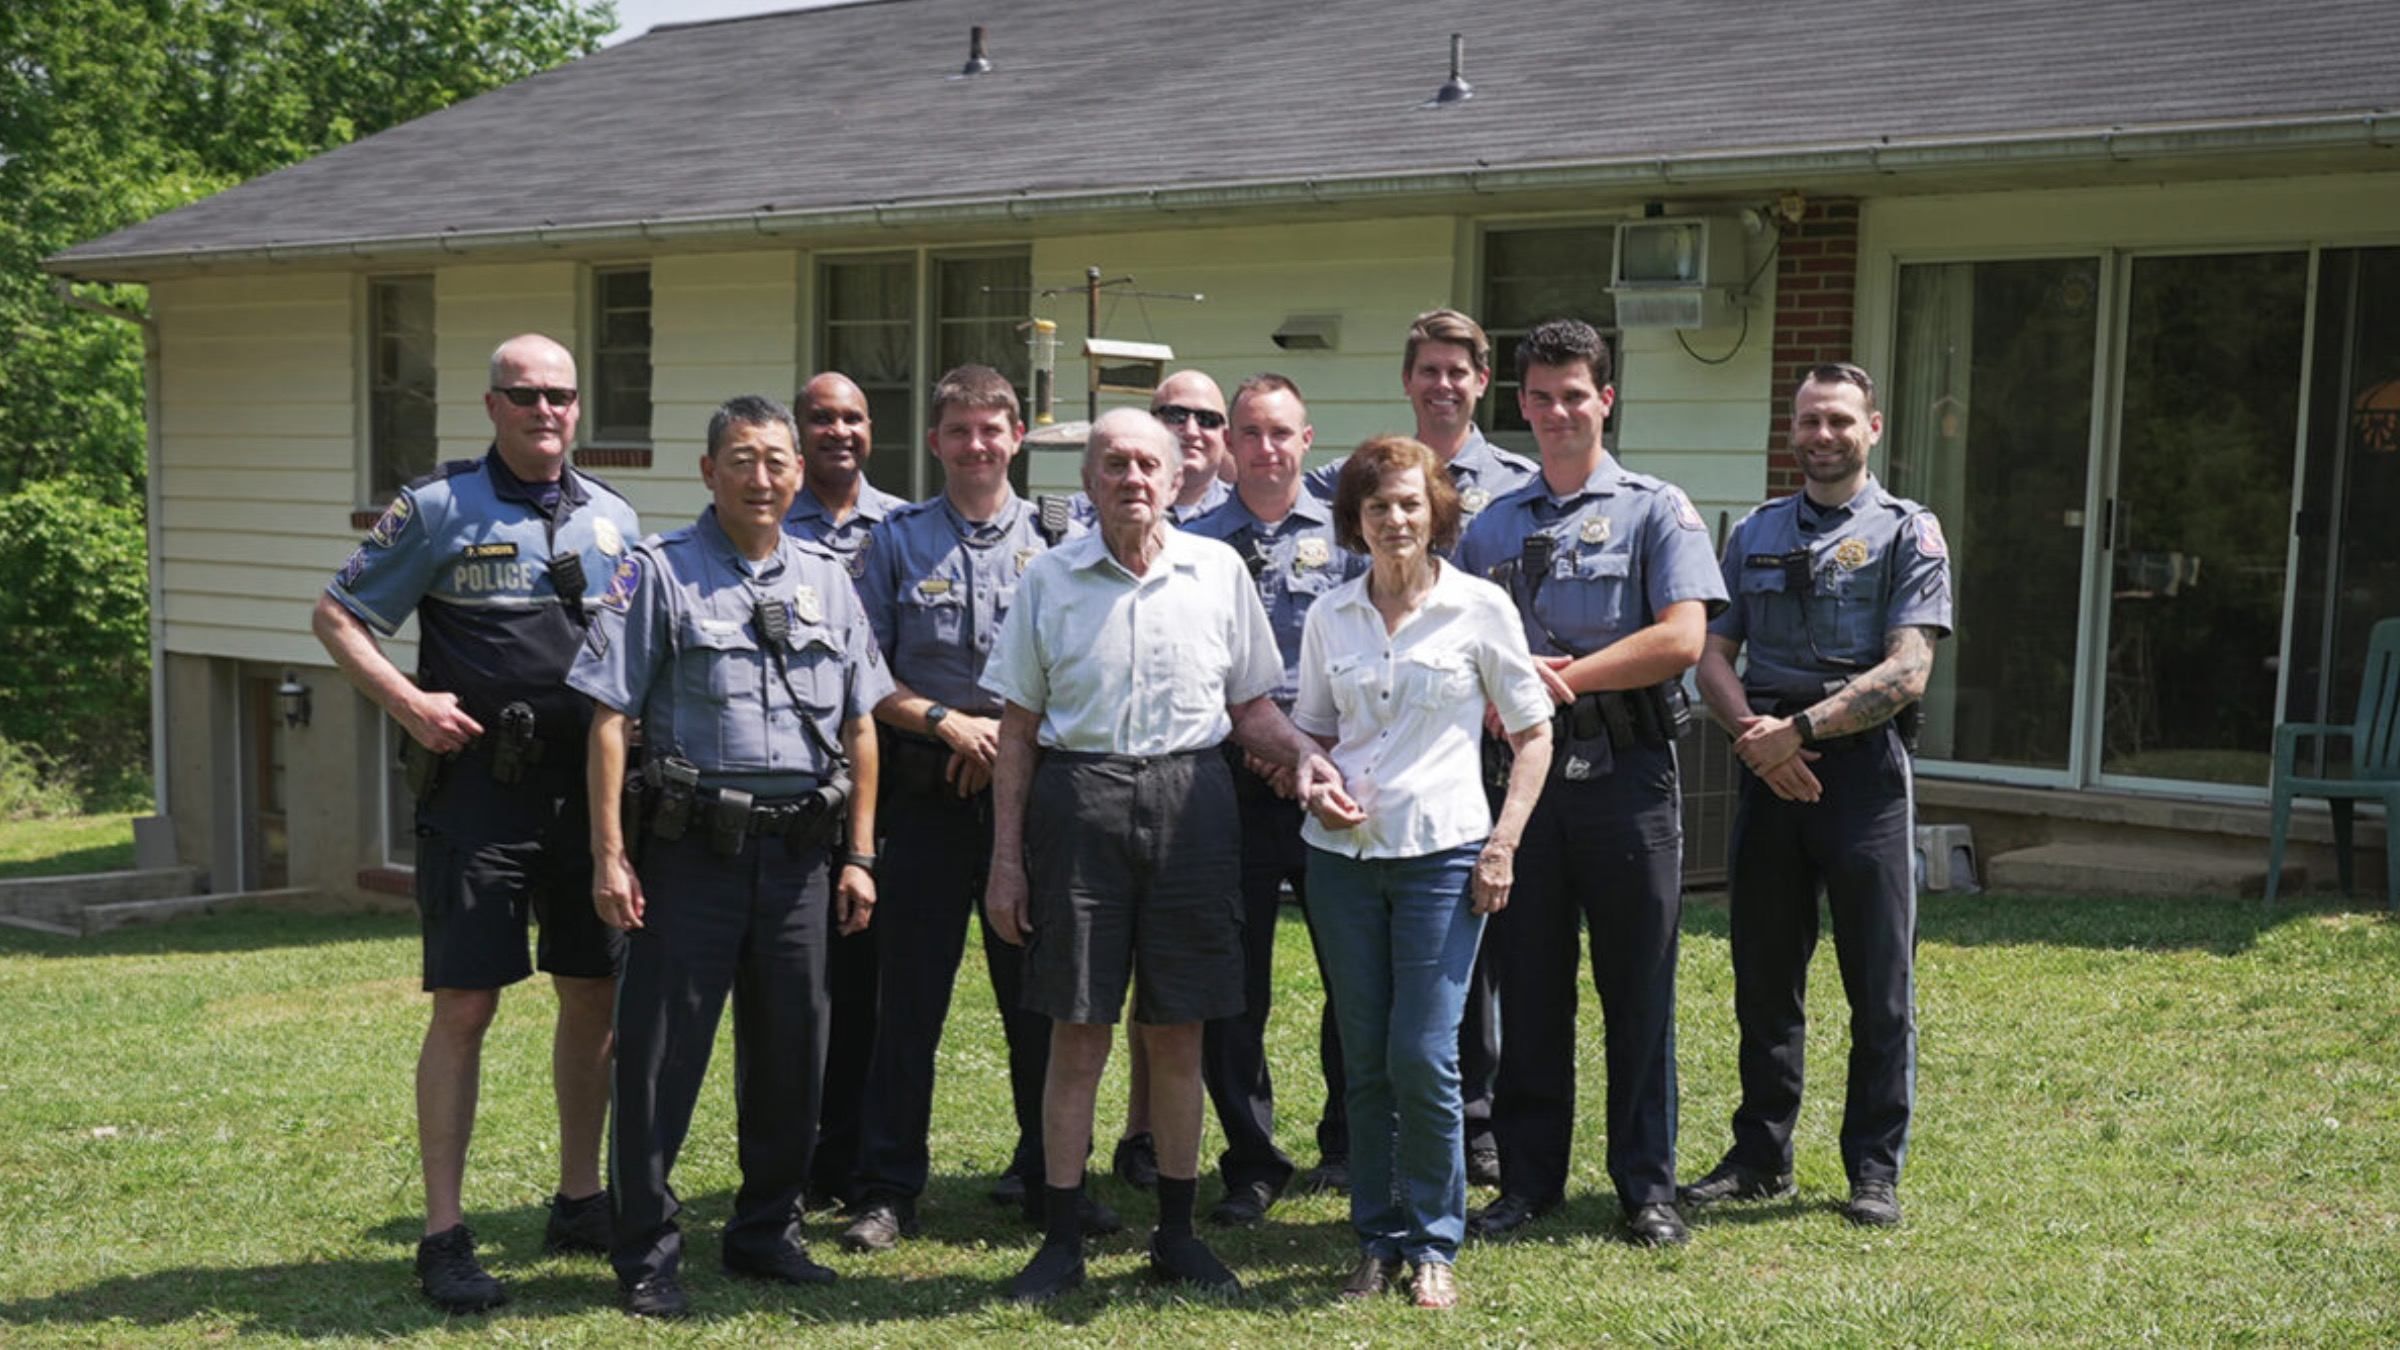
(1062, 1210)
(1175, 1196)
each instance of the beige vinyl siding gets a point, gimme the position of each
(721, 324)
(1702, 427)
(476, 308)
(258, 458)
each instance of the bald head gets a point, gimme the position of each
(512, 358)
(1186, 402)
(533, 436)
(836, 437)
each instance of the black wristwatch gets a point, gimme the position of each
(1808, 732)
(934, 714)
(865, 861)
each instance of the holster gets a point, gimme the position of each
(913, 766)
(672, 786)
(421, 767)
(818, 817)
(632, 805)
(728, 821)
(515, 748)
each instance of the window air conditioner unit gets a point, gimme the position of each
(1677, 272)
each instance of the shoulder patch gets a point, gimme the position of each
(348, 577)
(1686, 514)
(393, 522)
(623, 582)
(1929, 536)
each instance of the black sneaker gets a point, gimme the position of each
(577, 1225)
(1873, 1204)
(880, 1226)
(1330, 1176)
(1136, 1161)
(787, 1264)
(1056, 1268)
(1244, 1206)
(1732, 1181)
(451, 1276)
(1182, 1258)
(660, 1296)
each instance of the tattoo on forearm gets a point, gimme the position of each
(1877, 696)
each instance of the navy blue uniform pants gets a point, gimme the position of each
(752, 924)
(1233, 1050)
(850, 985)
(1607, 853)
(1855, 846)
(930, 879)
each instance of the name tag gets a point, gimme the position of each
(491, 550)
(720, 627)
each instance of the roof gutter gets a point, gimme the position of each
(2098, 147)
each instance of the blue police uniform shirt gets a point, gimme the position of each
(677, 642)
(1294, 561)
(811, 520)
(1875, 563)
(1482, 472)
(936, 588)
(1623, 547)
(468, 549)
(1087, 516)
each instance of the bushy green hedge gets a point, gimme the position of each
(74, 629)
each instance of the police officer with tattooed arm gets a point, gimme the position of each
(1840, 592)
(493, 555)
(748, 659)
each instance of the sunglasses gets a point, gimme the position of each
(1175, 415)
(525, 396)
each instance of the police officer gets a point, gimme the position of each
(493, 556)
(1445, 367)
(1286, 538)
(752, 668)
(1840, 592)
(940, 577)
(837, 507)
(1612, 574)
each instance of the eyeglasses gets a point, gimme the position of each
(1175, 415)
(526, 395)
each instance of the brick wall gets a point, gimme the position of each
(1816, 276)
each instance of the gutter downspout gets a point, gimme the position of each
(152, 528)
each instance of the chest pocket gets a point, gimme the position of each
(936, 620)
(814, 666)
(1844, 612)
(1586, 601)
(721, 662)
(1772, 615)
(1357, 689)
(1196, 681)
(1431, 681)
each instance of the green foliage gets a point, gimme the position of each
(31, 785)
(74, 601)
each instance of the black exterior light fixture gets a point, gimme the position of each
(292, 697)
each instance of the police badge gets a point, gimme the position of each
(1025, 557)
(1473, 500)
(1851, 553)
(1311, 553)
(607, 537)
(807, 606)
(1595, 530)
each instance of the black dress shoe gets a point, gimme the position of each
(788, 1264)
(1873, 1204)
(1098, 1219)
(451, 1276)
(1007, 1189)
(880, 1226)
(1656, 1226)
(1244, 1206)
(1056, 1268)
(1732, 1181)
(577, 1225)
(1483, 1167)
(1136, 1161)
(1182, 1258)
(1508, 1214)
(1331, 1175)
(660, 1296)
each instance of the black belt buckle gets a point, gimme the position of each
(728, 821)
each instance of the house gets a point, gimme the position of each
(2129, 270)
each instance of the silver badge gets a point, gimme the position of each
(1595, 530)
(1311, 553)
(1025, 557)
(605, 533)
(1473, 500)
(807, 606)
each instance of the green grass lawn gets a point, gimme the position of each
(2172, 1123)
(66, 845)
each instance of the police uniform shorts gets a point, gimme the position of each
(491, 857)
(1134, 867)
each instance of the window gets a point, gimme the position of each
(869, 319)
(620, 378)
(400, 387)
(398, 804)
(1530, 276)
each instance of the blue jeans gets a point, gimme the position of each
(1397, 937)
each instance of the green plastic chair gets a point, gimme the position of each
(2375, 767)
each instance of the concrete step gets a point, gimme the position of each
(60, 899)
(2137, 869)
(126, 913)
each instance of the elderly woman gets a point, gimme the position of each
(1397, 668)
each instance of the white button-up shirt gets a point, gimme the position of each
(1406, 710)
(1127, 665)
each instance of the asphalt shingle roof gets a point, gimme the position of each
(858, 105)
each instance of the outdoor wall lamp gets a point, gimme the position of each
(293, 696)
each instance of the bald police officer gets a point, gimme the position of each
(1613, 576)
(1840, 590)
(746, 656)
(493, 555)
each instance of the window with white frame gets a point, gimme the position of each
(876, 313)
(1531, 275)
(400, 383)
(618, 406)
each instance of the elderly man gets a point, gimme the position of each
(1287, 538)
(1193, 407)
(494, 555)
(838, 507)
(754, 672)
(1116, 843)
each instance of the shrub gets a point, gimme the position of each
(74, 626)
